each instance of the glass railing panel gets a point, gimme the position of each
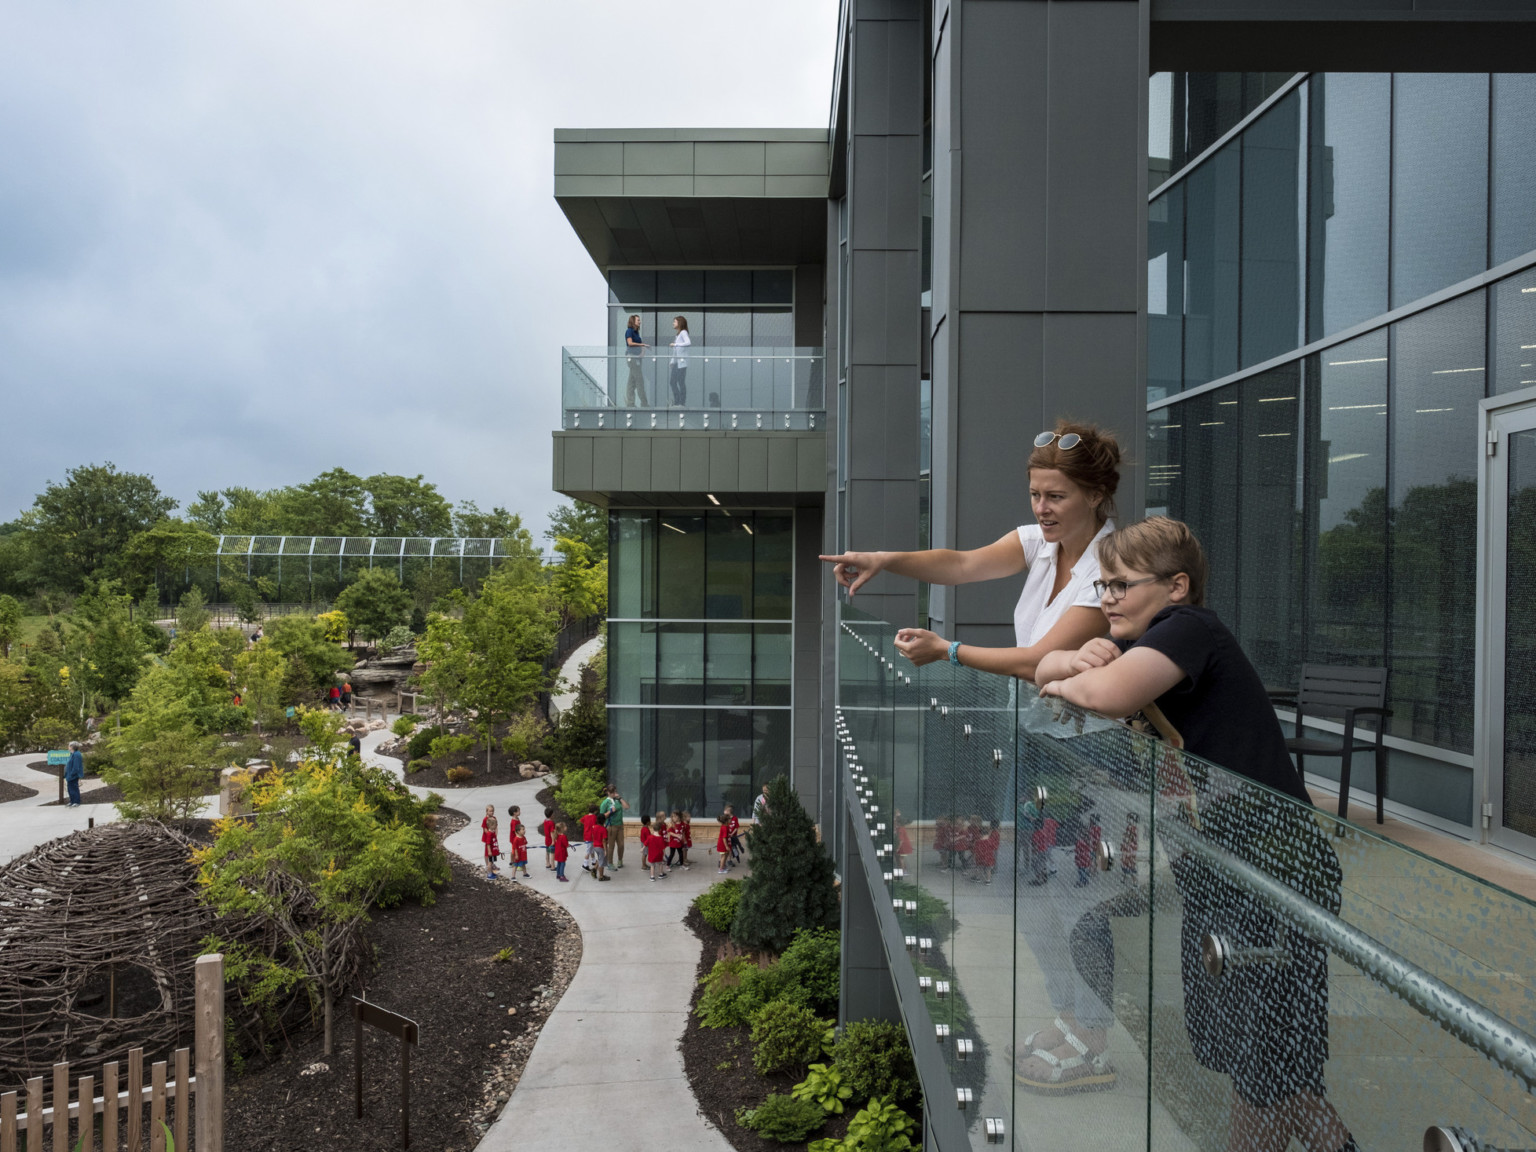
(1313, 977)
(1078, 1058)
(742, 389)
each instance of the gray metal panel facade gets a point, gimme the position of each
(641, 468)
(1039, 255)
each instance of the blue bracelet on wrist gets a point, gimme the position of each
(954, 652)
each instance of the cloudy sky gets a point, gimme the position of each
(243, 243)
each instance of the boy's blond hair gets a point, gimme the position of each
(1159, 546)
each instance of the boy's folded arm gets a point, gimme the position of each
(1120, 688)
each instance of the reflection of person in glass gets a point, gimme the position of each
(632, 354)
(1265, 1025)
(677, 370)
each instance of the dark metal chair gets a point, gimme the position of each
(1341, 693)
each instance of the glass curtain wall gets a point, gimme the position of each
(725, 307)
(699, 655)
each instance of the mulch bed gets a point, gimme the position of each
(9, 791)
(435, 966)
(503, 770)
(545, 798)
(718, 1063)
(110, 794)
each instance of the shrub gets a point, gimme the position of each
(785, 1037)
(458, 774)
(812, 961)
(50, 734)
(579, 790)
(399, 636)
(728, 1002)
(717, 904)
(525, 737)
(823, 1085)
(876, 1060)
(418, 765)
(450, 746)
(791, 885)
(881, 1126)
(421, 742)
(773, 983)
(783, 1118)
(404, 724)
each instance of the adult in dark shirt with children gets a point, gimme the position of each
(1171, 658)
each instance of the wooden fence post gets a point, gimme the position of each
(209, 1040)
(35, 1112)
(60, 1109)
(109, 1107)
(8, 1122)
(87, 1129)
(135, 1116)
(157, 1107)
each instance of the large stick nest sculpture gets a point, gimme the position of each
(99, 934)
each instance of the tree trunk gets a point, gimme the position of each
(327, 994)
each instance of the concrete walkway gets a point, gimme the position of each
(26, 823)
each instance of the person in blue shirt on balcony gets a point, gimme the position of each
(1171, 660)
(632, 355)
(677, 370)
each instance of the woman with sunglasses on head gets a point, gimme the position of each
(1073, 473)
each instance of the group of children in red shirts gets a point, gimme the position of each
(968, 846)
(556, 844)
(665, 841)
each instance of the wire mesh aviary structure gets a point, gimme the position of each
(99, 935)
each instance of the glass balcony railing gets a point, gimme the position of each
(708, 388)
(1234, 968)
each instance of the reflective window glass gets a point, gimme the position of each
(1165, 294)
(1437, 381)
(773, 567)
(631, 663)
(680, 566)
(628, 753)
(1439, 181)
(1347, 502)
(728, 671)
(729, 754)
(728, 573)
(632, 540)
(1348, 173)
(1272, 237)
(771, 664)
(679, 663)
(1269, 558)
(1513, 338)
(1208, 443)
(1514, 165)
(1211, 267)
(681, 757)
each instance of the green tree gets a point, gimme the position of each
(509, 630)
(791, 884)
(579, 741)
(334, 503)
(193, 612)
(260, 674)
(171, 546)
(242, 596)
(106, 649)
(580, 521)
(497, 524)
(579, 584)
(447, 657)
(311, 661)
(81, 526)
(374, 603)
(10, 623)
(407, 506)
(163, 760)
(19, 564)
(338, 838)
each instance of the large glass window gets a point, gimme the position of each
(1165, 294)
(1348, 174)
(1346, 494)
(1437, 381)
(1439, 181)
(1211, 257)
(1513, 336)
(1273, 244)
(1514, 166)
(1206, 447)
(725, 307)
(700, 654)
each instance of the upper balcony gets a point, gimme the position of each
(709, 389)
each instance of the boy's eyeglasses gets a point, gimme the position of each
(1069, 441)
(1116, 589)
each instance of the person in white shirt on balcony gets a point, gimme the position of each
(677, 374)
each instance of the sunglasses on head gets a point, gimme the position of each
(1067, 442)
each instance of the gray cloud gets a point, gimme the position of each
(242, 243)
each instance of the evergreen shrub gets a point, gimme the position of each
(876, 1060)
(783, 1118)
(450, 746)
(420, 745)
(812, 961)
(791, 885)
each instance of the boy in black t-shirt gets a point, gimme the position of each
(1172, 658)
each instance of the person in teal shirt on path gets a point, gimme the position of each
(612, 811)
(73, 772)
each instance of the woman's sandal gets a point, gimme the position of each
(1085, 1072)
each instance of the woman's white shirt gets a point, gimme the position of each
(1036, 613)
(680, 348)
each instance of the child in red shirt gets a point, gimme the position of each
(944, 841)
(961, 841)
(735, 840)
(673, 831)
(1044, 840)
(562, 852)
(723, 842)
(548, 828)
(1128, 845)
(587, 823)
(488, 841)
(599, 855)
(655, 843)
(519, 850)
(985, 852)
(687, 830)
